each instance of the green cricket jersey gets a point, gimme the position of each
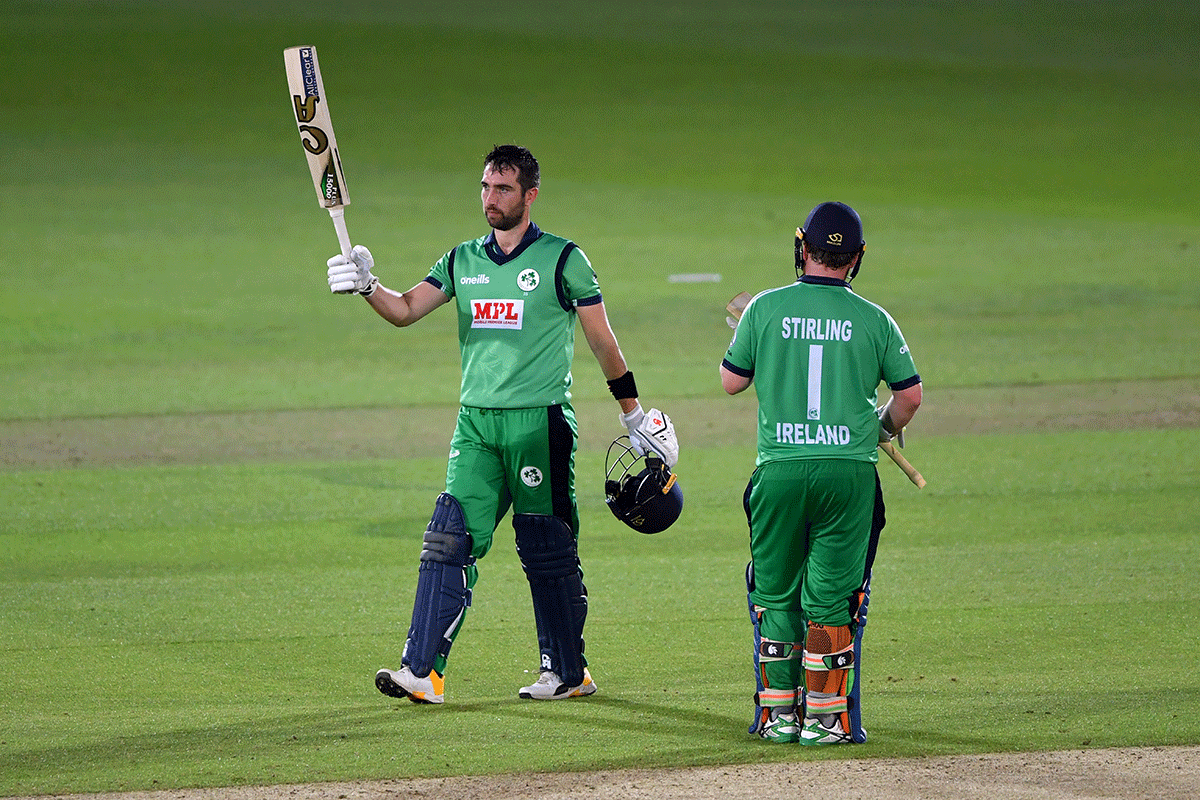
(817, 352)
(516, 317)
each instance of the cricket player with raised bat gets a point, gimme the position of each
(517, 293)
(816, 353)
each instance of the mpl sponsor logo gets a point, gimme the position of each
(498, 314)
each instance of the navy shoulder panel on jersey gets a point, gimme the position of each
(450, 265)
(558, 275)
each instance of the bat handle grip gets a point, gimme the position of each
(338, 215)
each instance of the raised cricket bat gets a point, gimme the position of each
(737, 305)
(316, 134)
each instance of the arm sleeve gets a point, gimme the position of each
(899, 369)
(442, 273)
(579, 283)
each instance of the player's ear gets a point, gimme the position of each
(530, 194)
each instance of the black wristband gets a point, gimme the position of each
(623, 388)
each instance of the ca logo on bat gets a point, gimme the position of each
(306, 111)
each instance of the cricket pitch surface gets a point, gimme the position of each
(1153, 773)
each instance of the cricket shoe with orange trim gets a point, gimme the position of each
(549, 686)
(402, 683)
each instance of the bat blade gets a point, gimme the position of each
(736, 306)
(311, 109)
(903, 464)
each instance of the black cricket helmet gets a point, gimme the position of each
(640, 490)
(835, 227)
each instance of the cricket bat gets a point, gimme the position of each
(316, 134)
(903, 464)
(737, 305)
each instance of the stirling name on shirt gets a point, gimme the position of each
(820, 330)
(498, 314)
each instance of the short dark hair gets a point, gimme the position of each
(511, 156)
(830, 259)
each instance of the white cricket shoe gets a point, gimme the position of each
(780, 725)
(549, 686)
(402, 683)
(816, 732)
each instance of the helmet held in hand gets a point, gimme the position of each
(640, 490)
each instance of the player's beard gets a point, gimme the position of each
(502, 221)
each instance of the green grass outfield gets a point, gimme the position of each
(214, 476)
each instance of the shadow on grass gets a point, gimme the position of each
(376, 740)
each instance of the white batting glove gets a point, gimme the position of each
(352, 275)
(652, 432)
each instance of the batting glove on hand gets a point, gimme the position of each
(884, 436)
(652, 432)
(352, 275)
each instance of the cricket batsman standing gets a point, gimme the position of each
(517, 292)
(816, 353)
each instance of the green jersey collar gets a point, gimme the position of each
(532, 233)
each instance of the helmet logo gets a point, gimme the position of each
(531, 476)
(835, 239)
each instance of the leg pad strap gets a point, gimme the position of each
(771, 650)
